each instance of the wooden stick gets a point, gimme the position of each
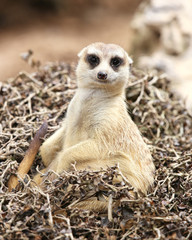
(27, 161)
(110, 215)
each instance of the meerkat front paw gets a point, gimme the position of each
(52, 146)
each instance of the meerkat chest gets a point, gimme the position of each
(80, 121)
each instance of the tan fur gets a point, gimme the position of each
(97, 131)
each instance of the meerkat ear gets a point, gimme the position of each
(130, 60)
(81, 52)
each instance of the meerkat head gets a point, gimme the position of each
(103, 66)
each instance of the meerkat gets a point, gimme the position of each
(97, 131)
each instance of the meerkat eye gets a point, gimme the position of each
(116, 62)
(93, 60)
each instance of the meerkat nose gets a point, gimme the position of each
(102, 75)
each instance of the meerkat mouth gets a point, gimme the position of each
(104, 81)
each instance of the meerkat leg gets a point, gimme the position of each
(141, 180)
(38, 177)
(80, 153)
(48, 151)
(130, 172)
(87, 155)
(138, 177)
(52, 146)
(93, 204)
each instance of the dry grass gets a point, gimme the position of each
(166, 213)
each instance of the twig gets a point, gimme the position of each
(110, 202)
(26, 163)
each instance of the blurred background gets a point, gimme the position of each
(58, 29)
(156, 33)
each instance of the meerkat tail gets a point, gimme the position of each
(27, 161)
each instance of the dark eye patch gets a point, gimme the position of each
(93, 60)
(116, 62)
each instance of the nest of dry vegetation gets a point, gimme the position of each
(29, 213)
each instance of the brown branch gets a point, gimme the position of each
(27, 161)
